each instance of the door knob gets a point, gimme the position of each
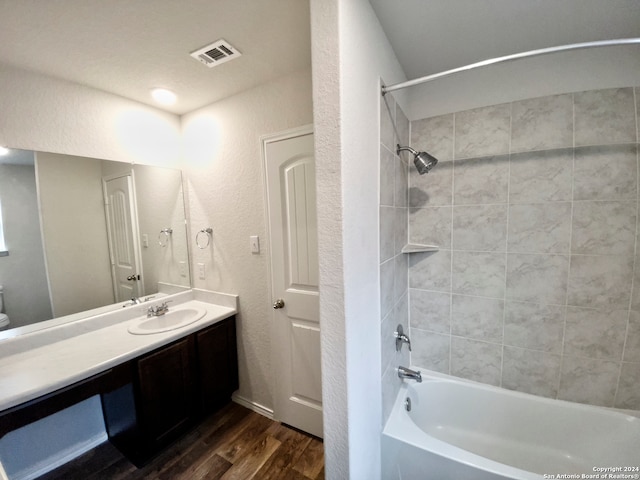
(278, 303)
(133, 278)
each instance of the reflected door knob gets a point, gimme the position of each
(279, 303)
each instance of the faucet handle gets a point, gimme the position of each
(401, 338)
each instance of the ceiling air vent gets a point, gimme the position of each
(216, 54)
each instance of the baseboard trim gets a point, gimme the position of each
(61, 458)
(256, 407)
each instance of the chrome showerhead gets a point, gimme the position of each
(422, 160)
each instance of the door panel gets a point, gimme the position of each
(291, 192)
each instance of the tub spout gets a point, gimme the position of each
(404, 372)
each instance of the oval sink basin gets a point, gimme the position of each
(171, 320)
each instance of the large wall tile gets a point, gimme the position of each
(387, 120)
(478, 273)
(401, 282)
(535, 206)
(478, 361)
(534, 326)
(635, 298)
(602, 282)
(628, 392)
(430, 226)
(387, 278)
(606, 172)
(540, 228)
(389, 356)
(401, 228)
(483, 131)
(430, 270)
(432, 189)
(434, 135)
(537, 278)
(632, 346)
(604, 116)
(604, 228)
(430, 310)
(481, 227)
(595, 333)
(387, 176)
(387, 233)
(430, 350)
(541, 176)
(531, 371)
(542, 123)
(481, 180)
(477, 317)
(402, 182)
(587, 380)
(402, 127)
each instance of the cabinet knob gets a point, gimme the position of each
(279, 303)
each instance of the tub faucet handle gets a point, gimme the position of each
(401, 338)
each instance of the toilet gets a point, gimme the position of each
(4, 318)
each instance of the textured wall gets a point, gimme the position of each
(394, 295)
(226, 193)
(535, 207)
(350, 54)
(26, 293)
(50, 115)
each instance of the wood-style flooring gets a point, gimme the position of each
(234, 443)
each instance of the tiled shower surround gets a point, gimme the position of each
(394, 295)
(536, 285)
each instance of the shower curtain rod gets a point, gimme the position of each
(506, 58)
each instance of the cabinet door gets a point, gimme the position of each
(218, 364)
(166, 390)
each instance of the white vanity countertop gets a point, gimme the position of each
(37, 371)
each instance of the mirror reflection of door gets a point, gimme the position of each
(124, 246)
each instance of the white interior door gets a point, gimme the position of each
(120, 208)
(291, 192)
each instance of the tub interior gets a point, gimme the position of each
(524, 431)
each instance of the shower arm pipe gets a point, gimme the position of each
(507, 58)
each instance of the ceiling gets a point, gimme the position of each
(128, 47)
(431, 36)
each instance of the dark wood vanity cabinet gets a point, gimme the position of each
(217, 365)
(170, 389)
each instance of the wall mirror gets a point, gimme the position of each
(83, 233)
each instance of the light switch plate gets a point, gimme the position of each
(254, 241)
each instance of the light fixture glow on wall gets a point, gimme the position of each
(164, 96)
(4, 150)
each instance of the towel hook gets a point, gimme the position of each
(164, 236)
(208, 231)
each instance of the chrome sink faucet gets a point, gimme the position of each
(404, 372)
(158, 310)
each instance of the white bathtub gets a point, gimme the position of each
(464, 430)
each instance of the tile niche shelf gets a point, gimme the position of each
(417, 247)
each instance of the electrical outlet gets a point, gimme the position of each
(145, 240)
(182, 268)
(201, 272)
(254, 241)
